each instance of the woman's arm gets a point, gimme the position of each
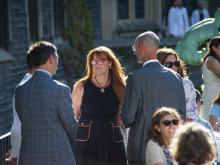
(213, 65)
(77, 95)
(190, 95)
(213, 116)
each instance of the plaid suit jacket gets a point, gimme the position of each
(44, 107)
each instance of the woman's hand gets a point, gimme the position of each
(120, 122)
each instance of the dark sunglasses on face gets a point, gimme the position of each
(170, 64)
(169, 122)
(100, 62)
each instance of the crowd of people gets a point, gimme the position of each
(156, 104)
(178, 20)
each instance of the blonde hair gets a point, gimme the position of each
(117, 74)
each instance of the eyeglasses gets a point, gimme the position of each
(170, 64)
(100, 62)
(169, 122)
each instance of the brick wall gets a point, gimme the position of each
(12, 72)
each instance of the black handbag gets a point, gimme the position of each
(83, 131)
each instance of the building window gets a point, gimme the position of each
(139, 8)
(59, 18)
(122, 6)
(94, 7)
(4, 24)
(33, 12)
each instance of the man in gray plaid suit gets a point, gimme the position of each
(44, 107)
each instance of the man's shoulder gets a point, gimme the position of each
(173, 73)
(204, 122)
(172, 9)
(157, 70)
(60, 85)
(22, 82)
(139, 73)
(195, 11)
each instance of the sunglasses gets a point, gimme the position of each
(170, 64)
(100, 62)
(169, 122)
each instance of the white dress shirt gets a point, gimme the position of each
(149, 61)
(16, 126)
(178, 21)
(195, 15)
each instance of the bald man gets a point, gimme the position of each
(147, 89)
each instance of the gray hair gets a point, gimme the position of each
(150, 38)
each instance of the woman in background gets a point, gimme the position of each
(163, 126)
(211, 75)
(97, 99)
(170, 59)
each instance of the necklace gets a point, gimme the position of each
(102, 88)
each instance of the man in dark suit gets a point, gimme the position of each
(44, 107)
(147, 89)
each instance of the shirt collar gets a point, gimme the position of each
(45, 71)
(27, 76)
(149, 61)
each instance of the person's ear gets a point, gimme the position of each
(156, 127)
(110, 64)
(214, 48)
(51, 59)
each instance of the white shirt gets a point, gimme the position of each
(149, 61)
(190, 96)
(16, 126)
(195, 15)
(45, 71)
(178, 21)
(154, 154)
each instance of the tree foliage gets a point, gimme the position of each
(78, 33)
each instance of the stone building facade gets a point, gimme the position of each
(21, 23)
(115, 23)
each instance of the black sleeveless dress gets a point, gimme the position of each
(99, 140)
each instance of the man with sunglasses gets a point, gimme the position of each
(148, 88)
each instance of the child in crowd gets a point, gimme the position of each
(200, 120)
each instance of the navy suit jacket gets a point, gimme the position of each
(48, 127)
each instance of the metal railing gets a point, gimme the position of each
(4, 147)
